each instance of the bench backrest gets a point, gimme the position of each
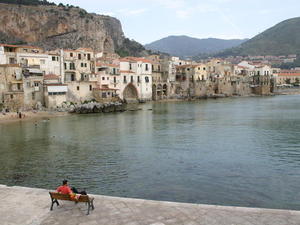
(55, 195)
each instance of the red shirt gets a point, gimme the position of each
(64, 190)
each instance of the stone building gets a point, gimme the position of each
(80, 74)
(55, 93)
(288, 77)
(11, 87)
(136, 79)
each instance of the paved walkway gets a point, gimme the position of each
(28, 206)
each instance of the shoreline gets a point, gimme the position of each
(29, 206)
(12, 117)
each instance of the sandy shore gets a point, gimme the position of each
(30, 115)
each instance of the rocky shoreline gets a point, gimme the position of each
(95, 107)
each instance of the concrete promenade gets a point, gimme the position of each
(28, 206)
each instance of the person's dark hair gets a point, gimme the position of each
(65, 182)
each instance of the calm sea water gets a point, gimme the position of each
(239, 151)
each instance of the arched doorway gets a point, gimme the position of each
(165, 90)
(159, 91)
(154, 92)
(130, 93)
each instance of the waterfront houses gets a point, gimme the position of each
(288, 77)
(136, 79)
(32, 78)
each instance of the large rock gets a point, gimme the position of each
(54, 27)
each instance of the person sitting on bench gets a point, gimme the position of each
(65, 189)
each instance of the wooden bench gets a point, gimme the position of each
(83, 198)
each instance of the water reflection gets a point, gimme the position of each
(240, 151)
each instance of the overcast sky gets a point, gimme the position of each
(149, 20)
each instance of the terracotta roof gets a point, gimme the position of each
(126, 71)
(289, 74)
(10, 65)
(184, 66)
(85, 49)
(106, 89)
(56, 84)
(106, 64)
(19, 46)
(135, 59)
(70, 50)
(51, 77)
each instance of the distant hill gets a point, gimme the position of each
(282, 39)
(184, 46)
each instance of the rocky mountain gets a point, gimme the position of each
(51, 26)
(184, 46)
(282, 39)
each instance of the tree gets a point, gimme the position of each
(288, 81)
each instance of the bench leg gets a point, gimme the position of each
(93, 204)
(52, 203)
(88, 212)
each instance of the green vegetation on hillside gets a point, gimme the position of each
(27, 2)
(282, 39)
(130, 48)
(289, 66)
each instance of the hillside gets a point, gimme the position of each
(282, 39)
(184, 46)
(50, 26)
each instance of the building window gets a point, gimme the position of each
(72, 66)
(78, 88)
(130, 66)
(19, 86)
(71, 54)
(89, 56)
(124, 79)
(138, 79)
(53, 58)
(72, 77)
(115, 80)
(36, 84)
(65, 66)
(147, 67)
(147, 79)
(33, 96)
(79, 56)
(11, 96)
(103, 78)
(91, 88)
(131, 79)
(107, 78)
(12, 61)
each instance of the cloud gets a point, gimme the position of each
(127, 12)
(107, 13)
(183, 14)
(264, 11)
(136, 11)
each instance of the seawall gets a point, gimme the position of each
(30, 206)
